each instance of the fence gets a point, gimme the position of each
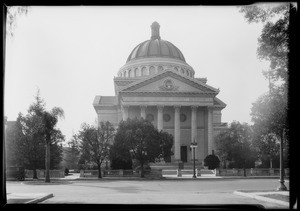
(250, 172)
(41, 173)
(154, 173)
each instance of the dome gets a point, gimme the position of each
(155, 47)
(153, 57)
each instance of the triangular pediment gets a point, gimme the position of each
(170, 81)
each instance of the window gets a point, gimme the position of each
(150, 117)
(160, 69)
(144, 71)
(166, 117)
(152, 70)
(182, 117)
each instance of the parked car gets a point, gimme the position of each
(16, 172)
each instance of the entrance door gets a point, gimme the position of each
(183, 153)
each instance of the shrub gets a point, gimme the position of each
(212, 161)
(117, 163)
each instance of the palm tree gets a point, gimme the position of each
(50, 118)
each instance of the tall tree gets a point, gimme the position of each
(235, 144)
(95, 142)
(28, 139)
(273, 43)
(72, 153)
(139, 139)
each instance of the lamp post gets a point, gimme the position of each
(281, 187)
(193, 146)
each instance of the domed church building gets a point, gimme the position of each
(157, 84)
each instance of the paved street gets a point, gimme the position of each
(150, 192)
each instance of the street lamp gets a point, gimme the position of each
(193, 146)
(281, 187)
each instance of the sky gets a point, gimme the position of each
(72, 54)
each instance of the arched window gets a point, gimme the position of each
(152, 70)
(125, 73)
(136, 72)
(187, 73)
(182, 70)
(129, 73)
(176, 69)
(160, 69)
(144, 71)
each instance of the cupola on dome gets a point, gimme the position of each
(155, 47)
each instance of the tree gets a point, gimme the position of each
(47, 121)
(138, 139)
(274, 39)
(212, 161)
(28, 139)
(95, 143)
(235, 144)
(72, 153)
(269, 114)
(12, 13)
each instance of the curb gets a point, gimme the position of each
(262, 198)
(40, 199)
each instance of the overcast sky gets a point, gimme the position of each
(72, 54)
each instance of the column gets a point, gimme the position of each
(194, 128)
(177, 133)
(160, 117)
(125, 112)
(210, 129)
(143, 111)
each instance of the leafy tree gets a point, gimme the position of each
(72, 153)
(12, 13)
(212, 161)
(27, 139)
(269, 114)
(47, 121)
(274, 39)
(235, 144)
(95, 143)
(138, 139)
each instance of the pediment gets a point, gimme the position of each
(170, 81)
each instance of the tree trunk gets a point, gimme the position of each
(34, 173)
(99, 171)
(142, 170)
(47, 176)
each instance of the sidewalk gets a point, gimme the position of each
(27, 198)
(277, 197)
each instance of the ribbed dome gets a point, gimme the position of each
(155, 47)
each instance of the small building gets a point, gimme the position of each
(157, 84)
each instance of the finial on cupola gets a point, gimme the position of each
(155, 31)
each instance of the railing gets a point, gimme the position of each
(121, 173)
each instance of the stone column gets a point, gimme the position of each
(143, 111)
(210, 129)
(194, 128)
(160, 117)
(125, 112)
(177, 133)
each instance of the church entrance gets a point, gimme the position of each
(183, 153)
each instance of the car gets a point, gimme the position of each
(15, 172)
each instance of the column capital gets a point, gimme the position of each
(125, 106)
(177, 107)
(160, 107)
(210, 108)
(194, 107)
